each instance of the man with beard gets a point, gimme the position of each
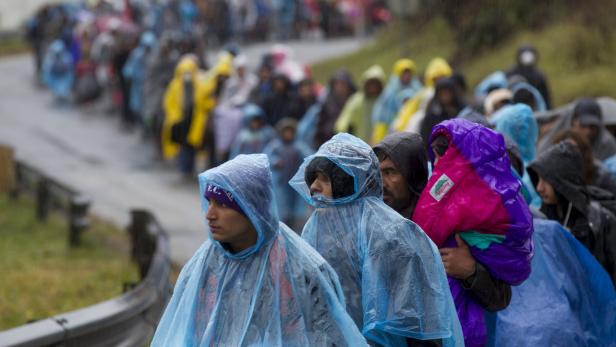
(404, 169)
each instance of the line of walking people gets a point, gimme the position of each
(461, 229)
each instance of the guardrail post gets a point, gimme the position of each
(42, 199)
(78, 219)
(14, 194)
(143, 243)
(7, 169)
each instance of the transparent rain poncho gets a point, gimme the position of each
(58, 69)
(568, 300)
(279, 292)
(391, 273)
(517, 123)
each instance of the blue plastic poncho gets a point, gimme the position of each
(610, 164)
(277, 292)
(568, 299)
(286, 159)
(495, 80)
(58, 69)
(393, 97)
(540, 105)
(307, 126)
(391, 273)
(249, 141)
(517, 123)
(135, 69)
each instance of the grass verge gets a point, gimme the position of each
(42, 276)
(576, 60)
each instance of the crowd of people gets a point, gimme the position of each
(447, 221)
(398, 211)
(83, 48)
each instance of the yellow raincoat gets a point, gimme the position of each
(437, 68)
(357, 112)
(401, 65)
(204, 102)
(208, 82)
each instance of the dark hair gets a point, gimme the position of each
(342, 183)
(589, 171)
(524, 96)
(439, 145)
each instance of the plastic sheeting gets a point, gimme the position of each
(568, 300)
(277, 292)
(472, 189)
(391, 273)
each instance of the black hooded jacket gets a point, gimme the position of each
(278, 105)
(435, 112)
(593, 225)
(408, 153)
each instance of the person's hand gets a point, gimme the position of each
(459, 262)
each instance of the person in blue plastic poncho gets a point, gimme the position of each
(254, 282)
(518, 125)
(135, 69)
(526, 94)
(255, 134)
(286, 153)
(402, 85)
(495, 80)
(58, 70)
(391, 273)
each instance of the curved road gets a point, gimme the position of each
(86, 149)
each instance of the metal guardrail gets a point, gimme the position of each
(52, 194)
(127, 320)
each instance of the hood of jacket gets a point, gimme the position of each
(408, 152)
(561, 166)
(249, 179)
(518, 124)
(356, 158)
(437, 67)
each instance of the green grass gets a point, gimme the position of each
(386, 49)
(42, 276)
(13, 45)
(560, 46)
